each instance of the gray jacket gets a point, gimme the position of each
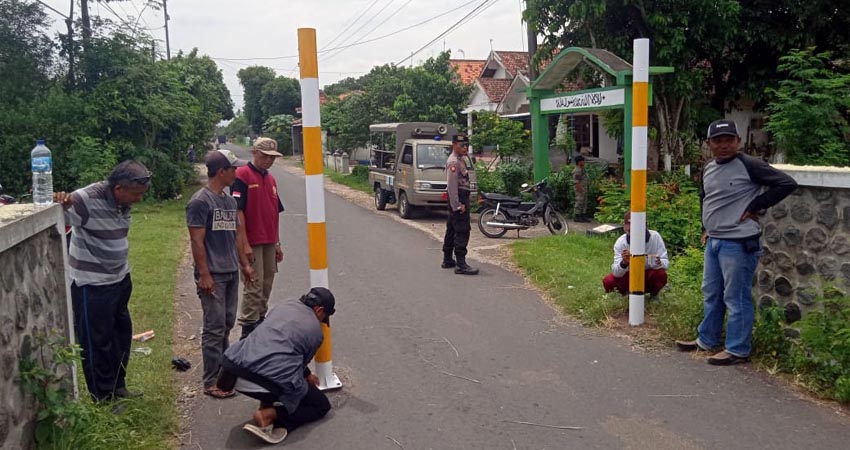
(729, 188)
(275, 355)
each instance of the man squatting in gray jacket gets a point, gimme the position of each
(270, 365)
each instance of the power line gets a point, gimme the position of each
(374, 16)
(367, 41)
(386, 19)
(469, 16)
(351, 24)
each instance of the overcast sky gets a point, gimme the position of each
(268, 28)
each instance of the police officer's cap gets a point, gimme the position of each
(460, 139)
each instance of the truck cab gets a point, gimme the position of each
(408, 165)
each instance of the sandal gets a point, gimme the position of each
(215, 392)
(269, 434)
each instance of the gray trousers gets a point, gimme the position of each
(219, 316)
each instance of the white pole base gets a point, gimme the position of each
(636, 304)
(327, 378)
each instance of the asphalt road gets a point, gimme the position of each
(432, 360)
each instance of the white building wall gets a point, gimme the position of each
(607, 144)
(743, 119)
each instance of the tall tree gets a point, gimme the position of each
(722, 50)
(26, 52)
(252, 80)
(280, 96)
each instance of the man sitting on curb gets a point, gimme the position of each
(656, 262)
(270, 365)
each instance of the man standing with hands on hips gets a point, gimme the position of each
(259, 208)
(458, 225)
(735, 188)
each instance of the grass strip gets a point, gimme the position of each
(349, 180)
(157, 242)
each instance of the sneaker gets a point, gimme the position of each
(464, 269)
(448, 264)
(693, 346)
(725, 358)
(269, 434)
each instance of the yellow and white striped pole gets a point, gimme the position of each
(640, 118)
(311, 123)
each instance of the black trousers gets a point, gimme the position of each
(104, 331)
(312, 407)
(457, 229)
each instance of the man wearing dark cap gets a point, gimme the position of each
(259, 208)
(270, 365)
(99, 216)
(735, 188)
(213, 230)
(458, 225)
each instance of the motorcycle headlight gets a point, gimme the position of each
(422, 185)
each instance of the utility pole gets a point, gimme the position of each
(167, 41)
(70, 23)
(532, 46)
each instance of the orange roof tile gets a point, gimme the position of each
(467, 69)
(514, 62)
(495, 88)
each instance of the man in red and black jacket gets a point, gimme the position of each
(259, 206)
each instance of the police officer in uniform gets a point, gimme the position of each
(457, 227)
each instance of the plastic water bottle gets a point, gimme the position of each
(42, 174)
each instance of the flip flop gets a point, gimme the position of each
(269, 433)
(218, 393)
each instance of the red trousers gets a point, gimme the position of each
(655, 280)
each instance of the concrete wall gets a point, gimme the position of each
(806, 241)
(33, 301)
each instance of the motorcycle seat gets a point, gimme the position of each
(502, 198)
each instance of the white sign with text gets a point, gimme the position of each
(586, 100)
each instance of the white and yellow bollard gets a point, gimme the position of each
(640, 121)
(311, 123)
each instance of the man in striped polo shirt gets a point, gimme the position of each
(99, 216)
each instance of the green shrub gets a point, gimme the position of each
(822, 355)
(90, 160)
(488, 181)
(769, 340)
(672, 210)
(360, 173)
(564, 191)
(513, 175)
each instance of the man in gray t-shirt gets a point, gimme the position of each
(213, 225)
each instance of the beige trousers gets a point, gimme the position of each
(255, 296)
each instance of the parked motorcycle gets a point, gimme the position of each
(6, 199)
(500, 213)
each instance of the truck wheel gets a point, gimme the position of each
(380, 199)
(489, 215)
(405, 209)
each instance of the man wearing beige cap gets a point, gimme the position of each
(259, 206)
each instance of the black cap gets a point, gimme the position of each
(722, 128)
(319, 296)
(460, 139)
(222, 159)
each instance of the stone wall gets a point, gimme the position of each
(34, 301)
(806, 242)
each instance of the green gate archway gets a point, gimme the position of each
(544, 101)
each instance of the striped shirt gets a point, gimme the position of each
(99, 245)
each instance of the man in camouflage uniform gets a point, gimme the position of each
(457, 227)
(580, 186)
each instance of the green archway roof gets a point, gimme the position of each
(570, 58)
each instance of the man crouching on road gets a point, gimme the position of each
(270, 365)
